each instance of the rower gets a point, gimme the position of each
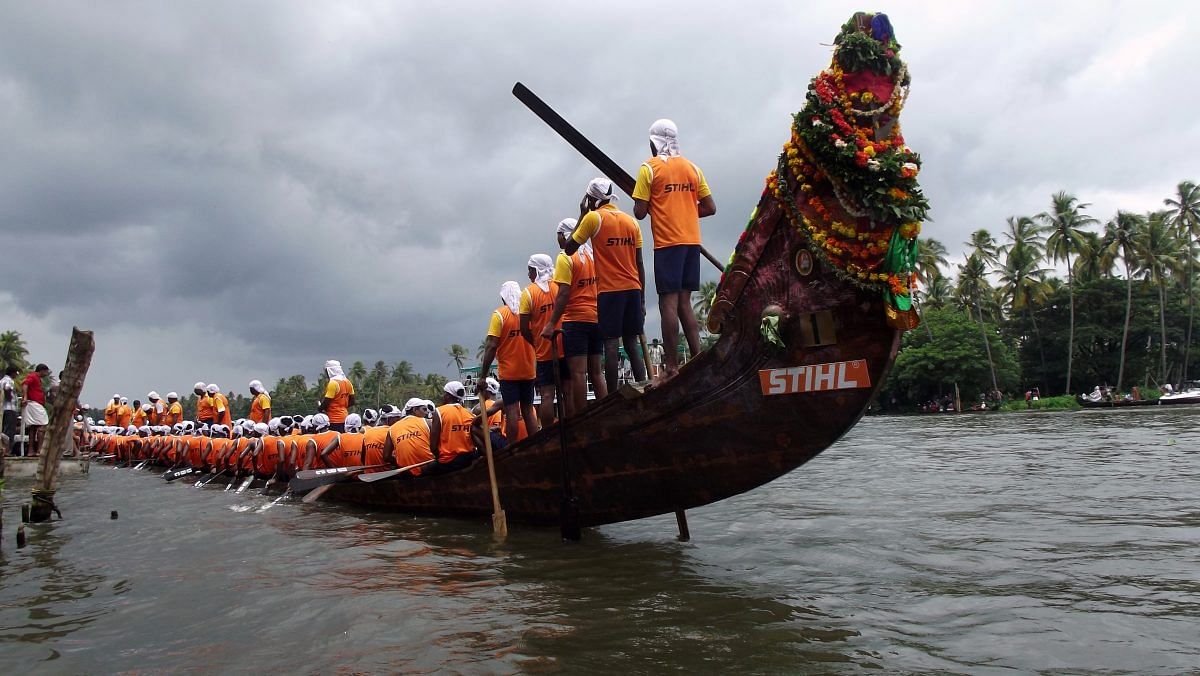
(410, 440)
(575, 308)
(204, 409)
(346, 449)
(220, 405)
(339, 396)
(157, 409)
(674, 193)
(620, 275)
(517, 365)
(141, 413)
(453, 424)
(124, 413)
(260, 407)
(536, 309)
(110, 411)
(322, 438)
(174, 409)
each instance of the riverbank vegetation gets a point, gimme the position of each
(1060, 302)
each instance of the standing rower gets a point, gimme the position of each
(620, 274)
(141, 413)
(339, 396)
(537, 308)
(204, 409)
(220, 405)
(516, 363)
(110, 411)
(124, 413)
(575, 308)
(157, 409)
(174, 410)
(260, 408)
(673, 191)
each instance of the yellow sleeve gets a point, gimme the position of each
(641, 189)
(562, 269)
(176, 409)
(589, 225)
(331, 390)
(264, 401)
(639, 234)
(526, 307)
(702, 191)
(496, 326)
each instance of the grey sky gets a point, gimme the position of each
(227, 191)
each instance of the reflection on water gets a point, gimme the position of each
(971, 543)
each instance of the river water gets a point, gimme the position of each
(975, 543)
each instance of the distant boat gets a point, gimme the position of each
(1189, 395)
(1113, 403)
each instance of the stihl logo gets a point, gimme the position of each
(619, 241)
(679, 187)
(842, 375)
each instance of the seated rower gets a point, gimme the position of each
(322, 438)
(456, 443)
(411, 440)
(346, 449)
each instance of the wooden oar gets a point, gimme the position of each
(586, 148)
(173, 474)
(379, 476)
(499, 522)
(569, 508)
(314, 473)
(208, 479)
(310, 479)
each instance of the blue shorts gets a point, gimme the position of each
(620, 313)
(545, 372)
(516, 391)
(677, 268)
(581, 339)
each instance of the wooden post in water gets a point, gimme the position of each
(681, 520)
(79, 359)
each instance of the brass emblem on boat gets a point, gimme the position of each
(804, 262)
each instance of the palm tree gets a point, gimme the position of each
(973, 286)
(938, 293)
(458, 354)
(379, 374)
(984, 245)
(1120, 235)
(358, 372)
(1021, 277)
(703, 303)
(479, 353)
(1157, 251)
(1065, 221)
(13, 351)
(1089, 265)
(931, 259)
(1184, 214)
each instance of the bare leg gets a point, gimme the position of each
(595, 373)
(668, 306)
(611, 364)
(546, 408)
(636, 364)
(532, 425)
(578, 386)
(512, 428)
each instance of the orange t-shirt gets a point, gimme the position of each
(323, 439)
(675, 188)
(139, 417)
(338, 391)
(221, 402)
(204, 408)
(373, 442)
(455, 438)
(259, 407)
(195, 451)
(268, 456)
(539, 305)
(579, 271)
(514, 355)
(124, 415)
(616, 241)
(410, 442)
(349, 451)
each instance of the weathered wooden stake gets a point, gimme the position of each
(79, 359)
(681, 519)
(20, 536)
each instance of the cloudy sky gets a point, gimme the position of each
(227, 191)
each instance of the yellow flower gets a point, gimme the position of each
(869, 151)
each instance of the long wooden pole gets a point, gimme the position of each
(79, 360)
(579, 142)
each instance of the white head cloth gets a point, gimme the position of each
(543, 268)
(256, 386)
(333, 369)
(566, 226)
(172, 395)
(510, 293)
(213, 389)
(411, 404)
(199, 386)
(664, 135)
(601, 188)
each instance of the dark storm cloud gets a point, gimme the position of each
(246, 189)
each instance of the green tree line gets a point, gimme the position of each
(1004, 319)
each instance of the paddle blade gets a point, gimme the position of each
(500, 524)
(316, 493)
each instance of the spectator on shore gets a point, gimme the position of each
(8, 392)
(36, 418)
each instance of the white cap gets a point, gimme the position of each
(116, 396)
(147, 407)
(124, 400)
(262, 428)
(256, 386)
(153, 395)
(455, 389)
(493, 386)
(272, 424)
(601, 188)
(319, 421)
(413, 403)
(198, 386)
(353, 422)
(213, 389)
(370, 415)
(172, 395)
(567, 225)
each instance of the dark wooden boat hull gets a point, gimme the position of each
(1088, 403)
(708, 434)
